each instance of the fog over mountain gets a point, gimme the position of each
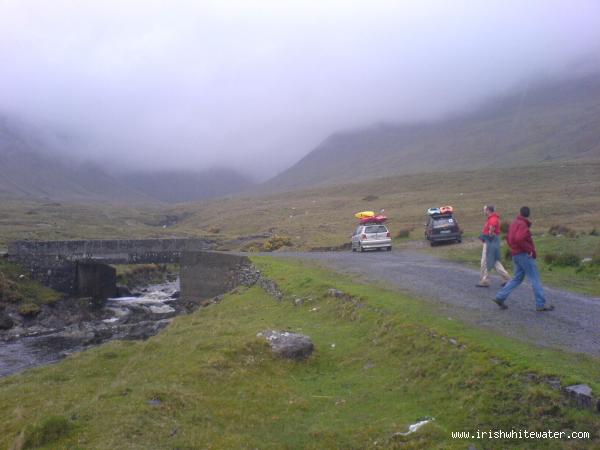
(254, 86)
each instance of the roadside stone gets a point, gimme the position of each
(553, 382)
(288, 345)
(155, 402)
(581, 394)
(335, 293)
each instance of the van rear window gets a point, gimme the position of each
(443, 222)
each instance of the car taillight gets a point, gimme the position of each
(387, 234)
(363, 236)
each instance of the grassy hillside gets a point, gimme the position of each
(383, 361)
(551, 122)
(567, 194)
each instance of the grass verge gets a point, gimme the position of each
(582, 277)
(382, 361)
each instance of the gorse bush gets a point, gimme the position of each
(561, 230)
(277, 242)
(562, 259)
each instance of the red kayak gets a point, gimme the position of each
(375, 219)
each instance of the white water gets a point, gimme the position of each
(26, 352)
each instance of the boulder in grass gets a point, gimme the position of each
(581, 395)
(288, 345)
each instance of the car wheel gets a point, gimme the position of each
(432, 243)
(389, 249)
(360, 248)
(458, 241)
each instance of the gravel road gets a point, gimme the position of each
(573, 326)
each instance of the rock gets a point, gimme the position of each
(581, 394)
(586, 260)
(164, 309)
(6, 323)
(176, 294)
(123, 291)
(288, 345)
(271, 288)
(553, 382)
(335, 293)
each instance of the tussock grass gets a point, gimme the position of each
(17, 288)
(382, 362)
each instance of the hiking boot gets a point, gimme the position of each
(500, 303)
(545, 308)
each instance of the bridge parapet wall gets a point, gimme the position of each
(54, 263)
(110, 250)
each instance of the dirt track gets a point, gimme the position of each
(574, 325)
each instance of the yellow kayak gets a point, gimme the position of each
(364, 214)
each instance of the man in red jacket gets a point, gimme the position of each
(523, 254)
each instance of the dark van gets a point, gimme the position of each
(442, 228)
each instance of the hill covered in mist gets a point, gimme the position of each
(557, 121)
(32, 167)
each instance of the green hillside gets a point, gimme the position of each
(550, 122)
(383, 361)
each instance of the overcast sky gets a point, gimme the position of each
(257, 84)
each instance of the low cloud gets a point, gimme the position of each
(256, 85)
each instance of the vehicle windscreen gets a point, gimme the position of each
(443, 222)
(376, 229)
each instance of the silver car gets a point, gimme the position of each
(371, 236)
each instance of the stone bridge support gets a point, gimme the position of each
(205, 275)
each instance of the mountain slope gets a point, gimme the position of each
(28, 171)
(183, 186)
(558, 121)
(30, 168)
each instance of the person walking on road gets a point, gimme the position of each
(490, 255)
(523, 255)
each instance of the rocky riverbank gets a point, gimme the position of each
(75, 324)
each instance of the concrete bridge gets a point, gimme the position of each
(81, 267)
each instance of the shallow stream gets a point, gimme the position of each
(132, 317)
